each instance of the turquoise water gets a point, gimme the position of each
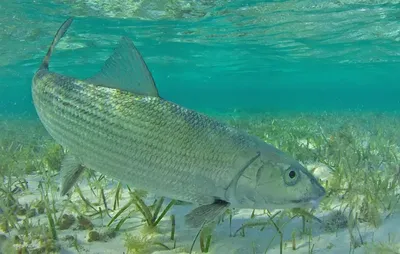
(264, 56)
(332, 65)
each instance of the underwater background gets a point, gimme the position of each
(318, 79)
(222, 55)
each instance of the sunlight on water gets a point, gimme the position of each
(322, 29)
(237, 44)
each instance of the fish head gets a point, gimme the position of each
(277, 181)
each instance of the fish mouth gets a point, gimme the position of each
(319, 194)
(308, 202)
(313, 200)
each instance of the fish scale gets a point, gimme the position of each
(132, 139)
(117, 124)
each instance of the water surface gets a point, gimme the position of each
(264, 56)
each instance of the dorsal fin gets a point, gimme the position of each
(60, 33)
(125, 69)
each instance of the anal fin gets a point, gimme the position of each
(205, 213)
(71, 169)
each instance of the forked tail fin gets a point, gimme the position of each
(60, 33)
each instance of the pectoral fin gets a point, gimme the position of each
(205, 213)
(71, 169)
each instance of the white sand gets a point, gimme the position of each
(255, 241)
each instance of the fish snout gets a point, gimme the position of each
(319, 194)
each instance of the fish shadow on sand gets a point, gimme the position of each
(226, 239)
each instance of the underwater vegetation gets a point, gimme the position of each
(355, 157)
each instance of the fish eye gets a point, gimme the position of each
(291, 176)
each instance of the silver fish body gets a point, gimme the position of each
(146, 142)
(117, 124)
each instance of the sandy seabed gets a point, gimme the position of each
(327, 235)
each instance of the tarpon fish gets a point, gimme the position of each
(116, 123)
